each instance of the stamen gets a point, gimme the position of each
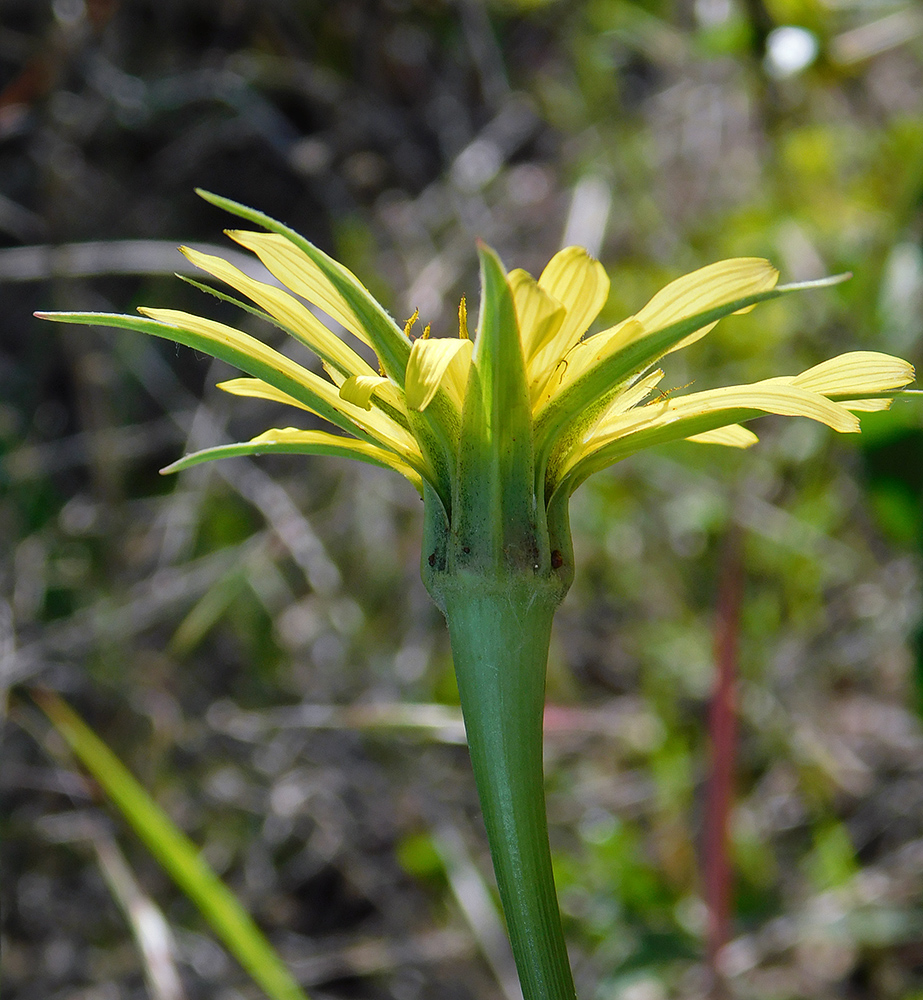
(463, 320)
(425, 334)
(408, 326)
(665, 393)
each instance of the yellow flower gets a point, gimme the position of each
(496, 433)
(588, 395)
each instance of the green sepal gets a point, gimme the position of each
(434, 552)
(328, 445)
(231, 300)
(436, 431)
(494, 506)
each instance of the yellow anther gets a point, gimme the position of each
(425, 334)
(665, 393)
(408, 326)
(463, 320)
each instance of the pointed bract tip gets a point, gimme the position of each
(487, 252)
(797, 286)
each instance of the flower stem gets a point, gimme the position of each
(500, 630)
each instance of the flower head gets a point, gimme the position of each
(497, 430)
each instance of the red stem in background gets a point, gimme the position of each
(722, 731)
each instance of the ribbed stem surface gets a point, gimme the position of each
(500, 631)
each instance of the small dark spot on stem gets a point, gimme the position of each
(557, 560)
(432, 559)
(466, 550)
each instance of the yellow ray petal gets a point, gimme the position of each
(580, 284)
(298, 272)
(385, 391)
(866, 405)
(732, 436)
(855, 373)
(256, 388)
(632, 396)
(292, 440)
(668, 420)
(359, 389)
(287, 310)
(704, 289)
(443, 362)
(539, 315)
(585, 354)
(379, 426)
(348, 447)
(388, 433)
(243, 342)
(554, 313)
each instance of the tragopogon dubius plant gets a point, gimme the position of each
(496, 432)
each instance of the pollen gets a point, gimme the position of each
(463, 320)
(408, 326)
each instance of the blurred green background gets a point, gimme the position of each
(253, 638)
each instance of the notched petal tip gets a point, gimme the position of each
(833, 279)
(856, 373)
(157, 315)
(435, 363)
(359, 389)
(281, 435)
(732, 436)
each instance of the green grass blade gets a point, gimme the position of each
(175, 852)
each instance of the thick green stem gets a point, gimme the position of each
(500, 631)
